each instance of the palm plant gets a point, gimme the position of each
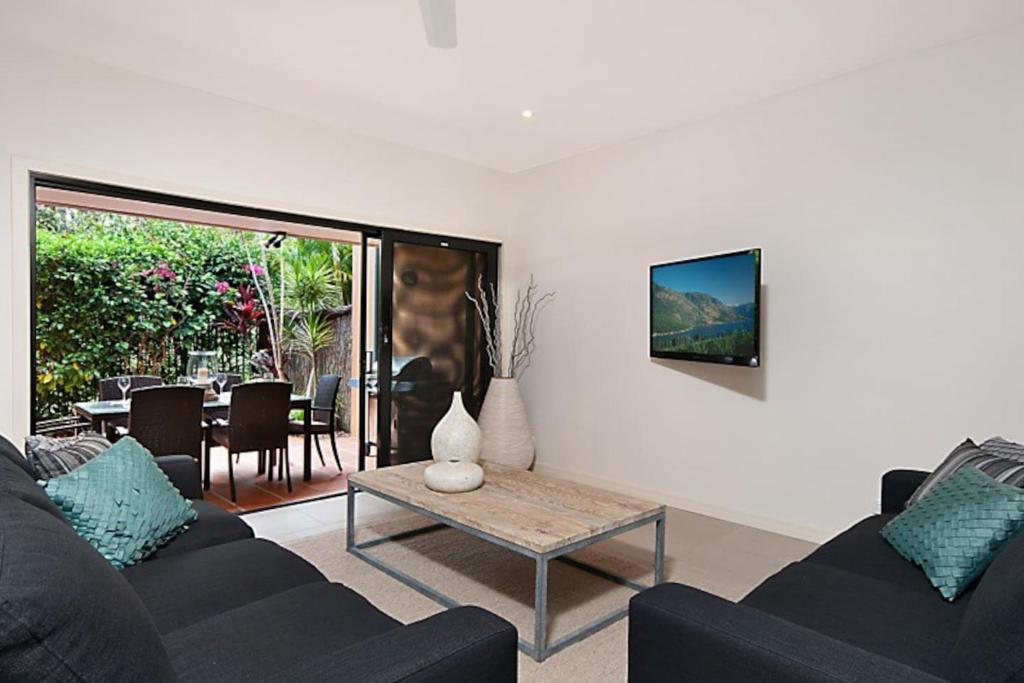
(309, 282)
(305, 335)
(312, 278)
(312, 287)
(341, 259)
(333, 255)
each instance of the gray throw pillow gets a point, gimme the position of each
(997, 445)
(1006, 470)
(54, 456)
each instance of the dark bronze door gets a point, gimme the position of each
(430, 338)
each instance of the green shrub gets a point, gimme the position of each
(118, 294)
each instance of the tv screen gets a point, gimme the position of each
(707, 309)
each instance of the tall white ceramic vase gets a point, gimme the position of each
(507, 439)
(457, 436)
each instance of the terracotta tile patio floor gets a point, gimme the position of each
(254, 492)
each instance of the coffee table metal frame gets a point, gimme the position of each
(539, 649)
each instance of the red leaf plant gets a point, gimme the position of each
(244, 313)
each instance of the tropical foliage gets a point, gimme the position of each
(306, 335)
(117, 293)
(319, 269)
(120, 294)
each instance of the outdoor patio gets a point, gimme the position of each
(254, 492)
(134, 307)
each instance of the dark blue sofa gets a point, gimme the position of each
(853, 610)
(215, 604)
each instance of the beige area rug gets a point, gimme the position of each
(474, 572)
(720, 557)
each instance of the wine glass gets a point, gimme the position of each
(124, 384)
(219, 379)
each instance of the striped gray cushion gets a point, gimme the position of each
(997, 445)
(54, 456)
(1004, 469)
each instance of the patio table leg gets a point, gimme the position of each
(307, 446)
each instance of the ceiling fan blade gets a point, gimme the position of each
(439, 22)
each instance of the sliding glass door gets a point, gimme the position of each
(429, 338)
(412, 339)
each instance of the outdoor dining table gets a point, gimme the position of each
(98, 412)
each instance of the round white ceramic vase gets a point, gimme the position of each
(457, 436)
(453, 476)
(507, 439)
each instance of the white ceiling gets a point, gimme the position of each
(596, 72)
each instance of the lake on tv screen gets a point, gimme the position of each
(705, 307)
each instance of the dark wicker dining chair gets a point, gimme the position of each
(168, 420)
(323, 418)
(231, 380)
(109, 391)
(257, 421)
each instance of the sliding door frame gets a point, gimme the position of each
(386, 235)
(384, 324)
(363, 394)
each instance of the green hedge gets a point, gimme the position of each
(121, 294)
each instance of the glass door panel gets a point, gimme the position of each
(366, 281)
(431, 339)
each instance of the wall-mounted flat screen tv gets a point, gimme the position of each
(708, 309)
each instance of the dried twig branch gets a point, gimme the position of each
(524, 325)
(530, 338)
(492, 335)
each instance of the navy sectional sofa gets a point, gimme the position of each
(215, 604)
(853, 610)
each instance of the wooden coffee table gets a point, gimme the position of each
(540, 517)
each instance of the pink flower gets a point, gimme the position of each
(222, 287)
(254, 268)
(162, 271)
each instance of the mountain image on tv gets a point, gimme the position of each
(706, 307)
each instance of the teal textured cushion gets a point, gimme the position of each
(122, 503)
(958, 528)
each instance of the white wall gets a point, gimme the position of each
(890, 206)
(71, 117)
